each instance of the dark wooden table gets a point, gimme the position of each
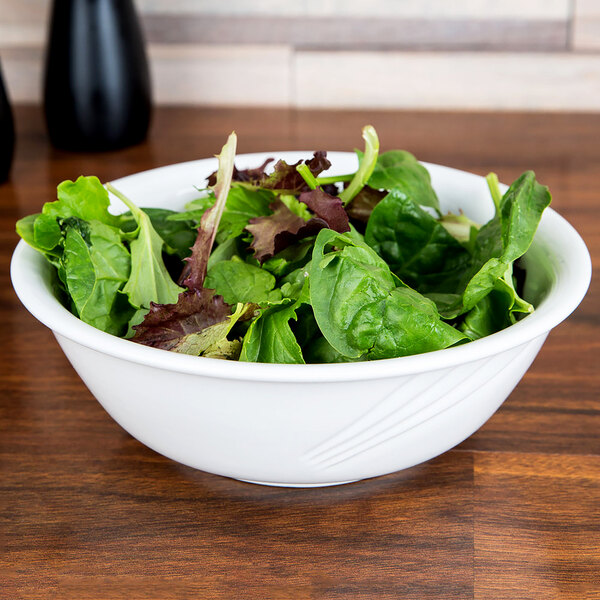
(87, 512)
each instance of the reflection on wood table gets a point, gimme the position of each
(88, 512)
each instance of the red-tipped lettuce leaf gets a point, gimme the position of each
(165, 325)
(275, 232)
(253, 176)
(327, 207)
(194, 272)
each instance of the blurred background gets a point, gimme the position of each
(539, 55)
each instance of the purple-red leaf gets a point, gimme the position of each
(327, 207)
(286, 177)
(194, 272)
(253, 176)
(165, 325)
(362, 205)
(275, 232)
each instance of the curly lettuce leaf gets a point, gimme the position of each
(273, 233)
(85, 199)
(197, 322)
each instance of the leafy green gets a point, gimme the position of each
(368, 162)
(270, 338)
(195, 270)
(177, 234)
(149, 280)
(238, 281)
(180, 326)
(360, 309)
(415, 245)
(279, 269)
(502, 240)
(86, 199)
(400, 170)
(96, 265)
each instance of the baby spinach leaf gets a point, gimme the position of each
(320, 351)
(417, 248)
(96, 265)
(361, 311)
(410, 324)
(238, 281)
(44, 234)
(489, 315)
(504, 239)
(149, 280)
(398, 169)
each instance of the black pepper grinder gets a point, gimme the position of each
(97, 84)
(7, 133)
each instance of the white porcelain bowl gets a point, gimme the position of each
(310, 425)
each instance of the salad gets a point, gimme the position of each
(282, 263)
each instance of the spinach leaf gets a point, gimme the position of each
(361, 311)
(320, 351)
(417, 248)
(489, 315)
(398, 169)
(44, 234)
(502, 240)
(96, 265)
(149, 280)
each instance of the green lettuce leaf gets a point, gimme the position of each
(149, 280)
(96, 264)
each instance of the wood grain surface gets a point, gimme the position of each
(87, 512)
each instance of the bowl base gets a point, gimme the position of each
(298, 485)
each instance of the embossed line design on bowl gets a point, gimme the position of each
(311, 425)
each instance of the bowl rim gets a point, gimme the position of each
(565, 295)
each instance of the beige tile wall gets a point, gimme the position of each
(480, 54)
